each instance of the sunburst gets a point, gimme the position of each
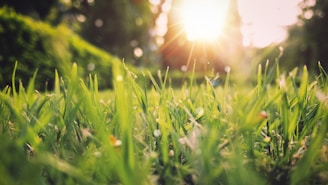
(196, 36)
(203, 20)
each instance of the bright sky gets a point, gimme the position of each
(265, 20)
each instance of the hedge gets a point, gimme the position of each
(36, 45)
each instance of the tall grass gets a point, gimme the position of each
(272, 132)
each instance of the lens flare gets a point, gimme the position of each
(203, 20)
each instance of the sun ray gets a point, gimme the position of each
(190, 55)
(199, 35)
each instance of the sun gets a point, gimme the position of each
(203, 19)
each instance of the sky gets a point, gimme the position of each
(265, 21)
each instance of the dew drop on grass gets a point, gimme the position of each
(157, 133)
(119, 78)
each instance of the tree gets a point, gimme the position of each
(35, 8)
(308, 38)
(120, 27)
(233, 51)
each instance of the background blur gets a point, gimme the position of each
(53, 34)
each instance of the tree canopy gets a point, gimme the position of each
(35, 8)
(120, 27)
(308, 41)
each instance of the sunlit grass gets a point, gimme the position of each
(216, 132)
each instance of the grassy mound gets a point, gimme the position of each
(37, 45)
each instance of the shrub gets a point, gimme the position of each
(37, 45)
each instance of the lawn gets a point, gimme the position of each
(272, 130)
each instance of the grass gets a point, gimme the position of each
(272, 132)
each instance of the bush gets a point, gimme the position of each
(37, 45)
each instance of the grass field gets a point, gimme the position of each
(272, 131)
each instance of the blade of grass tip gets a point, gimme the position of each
(266, 68)
(95, 79)
(265, 74)
(163, 84)
(293, 123)
(6, 90)
(293, 79)
(13, 83)
(72, 87)
(165, 77)
(192, 77)
(271, 74)
(57, 83)
(21, 95)
(91, 87)
(159, 76)
(74, 73)
(322, 70)
(30, 88)
(226, 82)
(89, 100)
(259, 80)
(278, 74)
(71, 107)
(303, 87)
(323, 75)
(225, 89)
(6, 100)
(155, 84)
(141, 95)
(281, 53)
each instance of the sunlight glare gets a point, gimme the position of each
(203, 20)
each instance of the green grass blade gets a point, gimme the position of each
(303, 173)
(57, 84)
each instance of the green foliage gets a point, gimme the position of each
(272, 133)
(307, 42)
(34, 8)
(36, 45)
(118, 26)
